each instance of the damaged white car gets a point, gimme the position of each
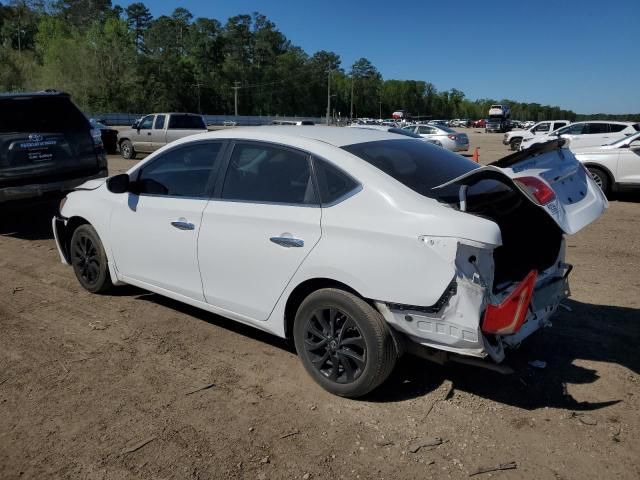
(359, 245)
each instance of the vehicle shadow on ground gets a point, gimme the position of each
(599, 333)
(29, 222)
(631, 197)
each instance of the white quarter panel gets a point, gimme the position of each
(243, 271)
(148, 248)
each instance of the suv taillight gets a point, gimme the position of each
(536, 189)
(508, 316)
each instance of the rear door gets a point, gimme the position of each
(155, 231)
(262, 224)
(576, 200)
(158, 133)
(44, 139)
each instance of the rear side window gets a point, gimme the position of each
(543, 127)
(417, 165)
(333, 183)
(159, 124)
(40, 115)
(616, 127)
(181, 172)
(186, 122)
(558, 125)
(269, 174)
(595, 128)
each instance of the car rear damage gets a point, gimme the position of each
(503, 293)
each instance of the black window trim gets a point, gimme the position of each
(354, 191)
(212, 177)
(224, 167)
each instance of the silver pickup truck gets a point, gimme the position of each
(156, 130)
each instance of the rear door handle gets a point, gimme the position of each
(287, 242)
(183, 225)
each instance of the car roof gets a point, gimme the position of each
(51, 93)
(615, 122)
(336, 136)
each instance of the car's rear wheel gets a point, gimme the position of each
(89, 260)
(515, 143)
(343, 342)
(127, 151)
(601, 178)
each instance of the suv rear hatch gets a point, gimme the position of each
(44, 138)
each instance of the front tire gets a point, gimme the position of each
(127, 151)
(601, 178)
(343, 342)
(89, 260)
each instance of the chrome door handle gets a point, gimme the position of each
(287, 242)
(182, 225)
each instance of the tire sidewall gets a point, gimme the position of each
(328, 299)
(104, 278)
(126, 146)
(603, 178)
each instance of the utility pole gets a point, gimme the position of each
(235, 96)
(198, 85)
(351, 111)
(329, 94)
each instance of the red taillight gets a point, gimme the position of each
(452, 137)
(537, 189)
(508, 316)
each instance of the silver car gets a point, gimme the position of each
(448, 138)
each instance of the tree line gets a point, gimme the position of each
(124, 59)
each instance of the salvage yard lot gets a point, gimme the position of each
(138, 386)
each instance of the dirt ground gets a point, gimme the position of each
(134, 385)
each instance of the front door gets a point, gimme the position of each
(629, 163)
(141, 136)
(158, 227)
(158, 134)
(259, 229)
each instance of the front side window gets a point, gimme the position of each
(159, 124)
(424, 130)
(333, 183)
(146, 123)
(181, 172)
(270, 174)
(543, 127)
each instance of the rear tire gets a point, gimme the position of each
(601, 178)
(515, 143)
(89, 260)
(344, 343)
(127, 151)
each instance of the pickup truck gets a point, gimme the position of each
(156, 130)
(514, 137)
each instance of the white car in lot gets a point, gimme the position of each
(614, 167)
(448, 138)
(586, 134)
(514, 137)
(357, 244)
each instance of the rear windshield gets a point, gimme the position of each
(406, 133)
(416, 164)
(40, 114)
(187, 122)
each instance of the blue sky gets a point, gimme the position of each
(577, 54)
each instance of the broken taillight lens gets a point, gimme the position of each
(536, 188)
(508, 316)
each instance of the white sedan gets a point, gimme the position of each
(357, 244)
(614, 167)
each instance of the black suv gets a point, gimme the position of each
(47, 146)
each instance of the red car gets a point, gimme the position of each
(480, 123)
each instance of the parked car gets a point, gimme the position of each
(398, 131)
(47, 146)
(481, 123)
(289, 244)
(514, 138)
(439, 123)
(156, 130)
(450, 139)
(108, 136)
(616, 166)
(587, 134)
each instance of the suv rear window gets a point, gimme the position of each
(186, 122)
(417, 165)
(40, 114)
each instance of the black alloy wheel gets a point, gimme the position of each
(89, 260)
(335, 345)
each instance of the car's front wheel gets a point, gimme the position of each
(127, 151)
(343, 342)
(515, 143)
(601, 178)
(89, 260)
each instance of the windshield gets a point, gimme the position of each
(420, 166)
(407, 133)
(40, 114)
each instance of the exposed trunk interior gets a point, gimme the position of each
(530, 237)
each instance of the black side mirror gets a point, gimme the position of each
(118, 183)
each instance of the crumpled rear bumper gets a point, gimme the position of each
(36, 190)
